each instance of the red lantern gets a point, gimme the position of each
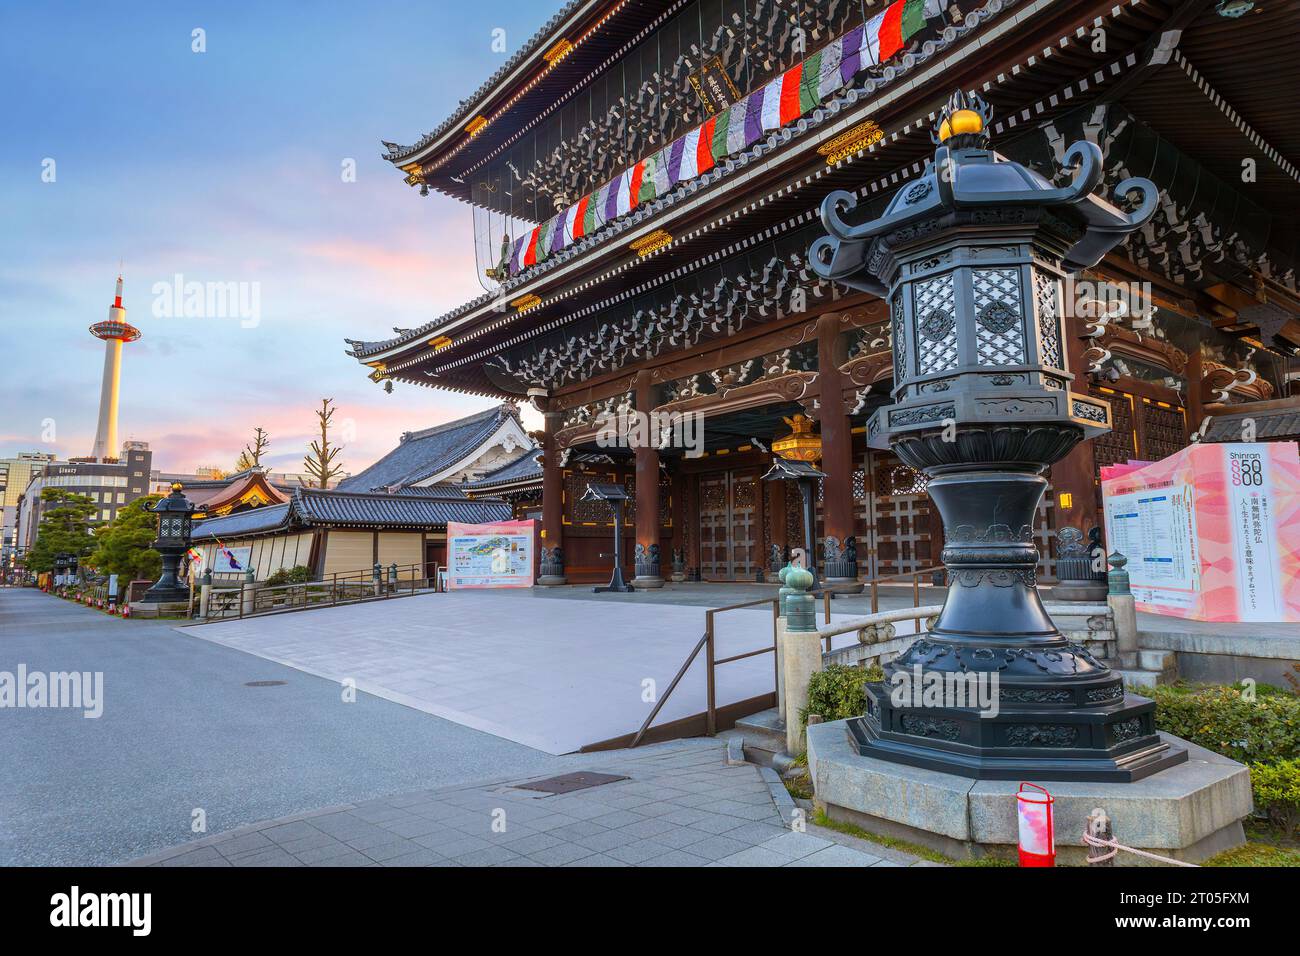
(1037, 836)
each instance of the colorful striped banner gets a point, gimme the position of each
(776, 104)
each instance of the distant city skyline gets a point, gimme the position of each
(225, 167)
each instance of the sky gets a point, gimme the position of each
(122, 143)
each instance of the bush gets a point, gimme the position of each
(837, 692)
(1277, 793)
(1265, 730)
(299, 574)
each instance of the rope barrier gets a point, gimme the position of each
(1116, 846)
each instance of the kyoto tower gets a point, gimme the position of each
(114, 331)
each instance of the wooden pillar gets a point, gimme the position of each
(647, 494)
(779, 530)
(679, 525)
(693, 516)
(1075, 474)
(840, 546)
(552, 557)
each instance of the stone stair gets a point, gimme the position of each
(1152, 668)
(762, 738)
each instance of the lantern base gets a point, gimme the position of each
(1017, 744)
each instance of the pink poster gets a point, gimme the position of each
(1211, 533)
(497, 555)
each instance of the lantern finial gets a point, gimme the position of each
(963, 122)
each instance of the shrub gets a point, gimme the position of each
(300, 574)
(1277, 793)
(837, 692)
(1219, 719)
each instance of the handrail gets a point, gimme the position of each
(711, 663)
(345, 587)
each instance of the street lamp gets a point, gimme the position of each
(174, 518)
(970, 257)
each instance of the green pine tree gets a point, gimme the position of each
(123, 545)
(65, 528)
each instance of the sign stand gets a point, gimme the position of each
(613, 495)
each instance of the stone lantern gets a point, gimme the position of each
(970, 257)
(174, 520)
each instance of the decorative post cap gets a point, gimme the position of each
(800, 607)
(1118, 578)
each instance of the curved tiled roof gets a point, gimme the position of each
(724, 169)
(424, 453)
(397, 154)
(314, 506)
(254, 521)
(526, 466)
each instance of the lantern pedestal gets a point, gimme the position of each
(1189, 812)
(174, 518)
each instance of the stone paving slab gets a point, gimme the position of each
(575, 676)
(650, 819)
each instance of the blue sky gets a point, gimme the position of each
(225, 166)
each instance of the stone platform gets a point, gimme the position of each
(1189, 812)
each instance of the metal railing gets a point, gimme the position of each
(250, 599)
(707, 641)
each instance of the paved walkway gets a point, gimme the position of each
(182, 730)
(682, 805)
(528, 666)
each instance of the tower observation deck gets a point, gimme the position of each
(115, 331)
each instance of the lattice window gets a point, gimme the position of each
(1162, 431)
(999, 324)
(1047, 295)
(1117, 445)
(934, 313)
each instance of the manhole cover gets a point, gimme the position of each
(266, 683)
(569, 782)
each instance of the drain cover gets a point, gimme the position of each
(266, 683)
(569, 782)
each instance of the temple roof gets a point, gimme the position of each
(253, 521)
(315, 507)
(249, 488)
(1275, 420)
(572, 46)
(422, 455)
(381, 510)
(526, 468)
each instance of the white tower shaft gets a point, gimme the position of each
(106, 434)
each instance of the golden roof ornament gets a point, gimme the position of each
(802, 444)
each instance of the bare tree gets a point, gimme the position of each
(320, 463)
(251, 456)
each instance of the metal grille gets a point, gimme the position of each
(896, 336)
(934, 314)
(999, 322)
(1047, 295)
(1162, 431)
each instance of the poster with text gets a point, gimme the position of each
(232, 560)
(498, 555)
(1212, 532)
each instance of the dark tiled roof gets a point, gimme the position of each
(1278, 423)
(397, 153)
(244, 522)
(377, 510)
(806, 125)
(425, 453)
(526, 466)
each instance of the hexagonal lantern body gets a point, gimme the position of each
(175, 518)
(971, 257)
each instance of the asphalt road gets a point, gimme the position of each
(181, 731)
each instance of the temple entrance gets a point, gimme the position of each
(730, 545)
(897, 513)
